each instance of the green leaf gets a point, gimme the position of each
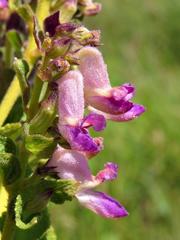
(7, 145)
(38, 34)
(26, 12)
(14, 39)
(21, 68)
(37, 143)
(44, 118)
(10, 167)
(37, 231)
(13, 4)
(49, 234)
(11, 130)
(9, 164)
(18, 212)
(64, 190)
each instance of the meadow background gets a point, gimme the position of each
(141, 45)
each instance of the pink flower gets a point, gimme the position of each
(112, 102)
(72, 123)
(70, 164)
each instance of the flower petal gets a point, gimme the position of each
(109, 104)
(133, 113)
(98, 122)
(51, 22)
(93, 69)
(70, 98)
(70, 165)
(109, 172)
(101, 204)
(125, 91)
(79, 139)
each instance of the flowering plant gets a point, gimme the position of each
(57, 72)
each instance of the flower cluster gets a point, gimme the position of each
(89, 86)
(65, 90)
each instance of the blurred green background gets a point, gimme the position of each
(141, 45)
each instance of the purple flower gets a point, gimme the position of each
(113, 103)
(3, 4)
(72, 124)
(71, 164)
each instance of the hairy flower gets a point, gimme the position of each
(72, 123)
(70, 164)
(113, 102)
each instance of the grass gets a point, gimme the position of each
(142, 46)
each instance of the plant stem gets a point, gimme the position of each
(3, 199)
(33, 106)
(9, 224)
(9, 99)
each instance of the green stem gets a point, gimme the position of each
(9, 224)
(33, 106)
(8, 54)
(9, 99)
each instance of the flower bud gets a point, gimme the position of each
(44, 118)
(67, 10)
(59, 47)
(84, 36)
(89, 8)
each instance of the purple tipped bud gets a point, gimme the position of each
(58, 47)
(89, 8)
(86, 37)
(67, 10)
(92, 9)
(66, 27)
